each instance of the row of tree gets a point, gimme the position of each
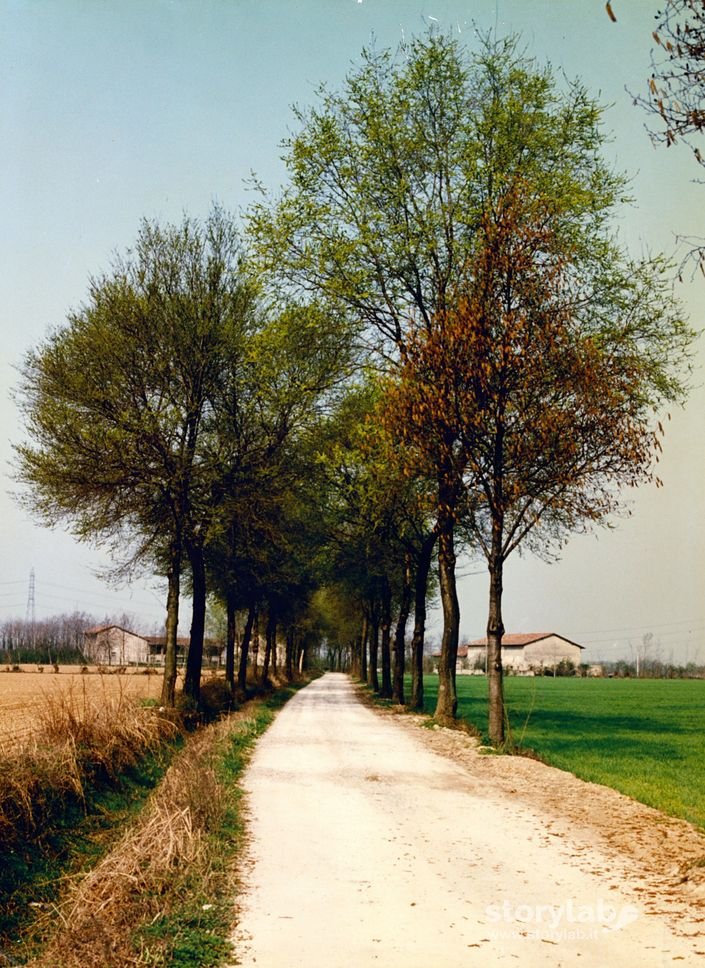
(55, 639)
(430, 338)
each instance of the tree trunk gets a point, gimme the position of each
(423, 567)
(354, 658)
(447, 704)
(290, 652)
(270, 634)
(172, 624)
(495, 625)
(386, 690)
(495, 631)
(400, 635)
(230, 639)
(245, 650)
(372, 675)
(364, 636)
(255, 645)
(194, 660)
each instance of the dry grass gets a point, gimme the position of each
(24, 695)
(163, 894)
(80, 736)
(166, 850)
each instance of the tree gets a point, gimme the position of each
(546, 377)
(381, 535)
(261, 546)
(379, 220)
(118, 406)
(676, 87)
(395, 184)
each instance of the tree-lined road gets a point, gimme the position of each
(367, 848)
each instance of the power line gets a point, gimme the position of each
(95, 594)
(31, 614)
(661, 635)
(637, 628)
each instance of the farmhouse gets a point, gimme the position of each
(114, 645)
(521, 653)
(157, 647)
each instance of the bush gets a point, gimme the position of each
(216, 699)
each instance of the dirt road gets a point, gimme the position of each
(370, 849)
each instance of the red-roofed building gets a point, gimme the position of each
(521, 653)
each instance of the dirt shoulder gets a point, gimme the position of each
(663, 857)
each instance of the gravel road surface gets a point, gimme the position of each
(367, 849)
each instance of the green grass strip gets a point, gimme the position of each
(196, 930)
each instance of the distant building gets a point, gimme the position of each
(213, 651)
(157, 647)
(112, 645)
(521, 654)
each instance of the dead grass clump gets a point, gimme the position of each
(35, 783)
(149, 868)
(110, 732)
(216, 699)
(80, 739)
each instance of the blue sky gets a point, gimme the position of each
(117, 110)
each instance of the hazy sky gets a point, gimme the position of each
(117, 110)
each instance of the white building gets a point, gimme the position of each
(522, 653)
(112, 645)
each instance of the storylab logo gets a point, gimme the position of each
(570, 920)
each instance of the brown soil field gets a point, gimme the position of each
(24, 694)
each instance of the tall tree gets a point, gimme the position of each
(548, 375)
(379, 219)
(118, 406)
(394, 183)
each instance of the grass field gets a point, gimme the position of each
(645, 738)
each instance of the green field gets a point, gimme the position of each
(644, 737)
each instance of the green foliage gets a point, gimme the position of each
(172, 415)
(375, 513)
(458, 207)
(390, 176)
